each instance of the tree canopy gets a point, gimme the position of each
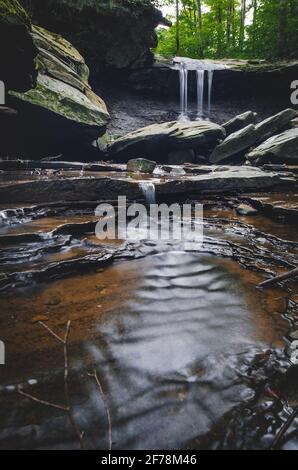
(231, 28)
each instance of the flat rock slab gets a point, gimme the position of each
(232, 179)
(96, 188)
(58, 165)
(158, 140)
(279, 204)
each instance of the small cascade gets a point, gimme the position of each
(184, 65)
(148, 190)
(183, 76)
(210, 83)
(200, 92)
(3, 216)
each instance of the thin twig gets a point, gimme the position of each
(67, 408)
(51, 332)
(95, 377)
(42, 402)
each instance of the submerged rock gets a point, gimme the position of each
(141, 165)
(246, 209)
(239, 122)
(62, 114)
(282, 148)
(159, 140)
(17, 50)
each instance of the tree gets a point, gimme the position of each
(200, 29)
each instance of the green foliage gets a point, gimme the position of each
(11, 12)
(232, 28)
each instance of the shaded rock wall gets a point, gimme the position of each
(240, 81)
(17, 50)
(112, 34)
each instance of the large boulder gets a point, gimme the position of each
(17, 50)
(115, 35)
(235, 145)
(160, 140)
(281, 148)
(239, 122)
(275, 124)
(61, 115)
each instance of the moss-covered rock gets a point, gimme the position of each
(60, 98)
(17, 50)
(62, 114)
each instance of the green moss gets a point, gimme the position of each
(11, 12)
(65, 101)
(266, 66)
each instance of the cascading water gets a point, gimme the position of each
(210, 83)
(184, 65)
(148, 190)
(183, 76)
(200, 92)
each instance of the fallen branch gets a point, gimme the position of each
(282, 277)
(284, 429)
(95, 377)
(67, 408)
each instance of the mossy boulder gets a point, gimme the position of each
(62, 114)
(66, 101)
(17, 50)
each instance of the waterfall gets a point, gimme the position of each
(148, 190)
(183, 76)
(200, 92)
(210, 83)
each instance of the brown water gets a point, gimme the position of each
(170, 335)
(167, 335)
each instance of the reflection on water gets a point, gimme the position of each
(167, 335)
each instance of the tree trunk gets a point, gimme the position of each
(242, 24)
(283, 23)
(254, 23)
(200, 29)
(177, 28)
